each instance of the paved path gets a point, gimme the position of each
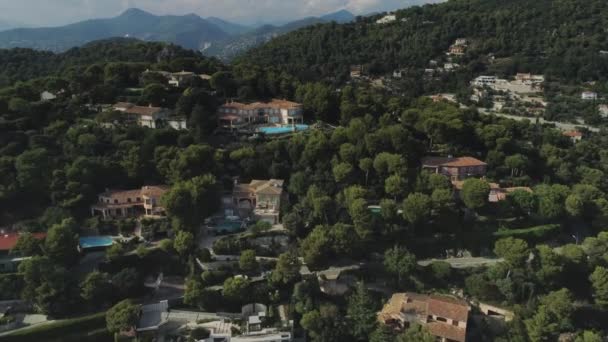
(464, 262)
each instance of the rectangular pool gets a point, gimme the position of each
(283, 129)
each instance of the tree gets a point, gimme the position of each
(361, 313)
(115, 251)
(342, 172)
(183, 243)
(325, 324)
(416, 333)
(366, 165)
(190, 202)
(287, 269)
(417, 208)
(154, 95)
(517, 163)
(475, 193)
(550, 266)
(559, 305)
(127, 283)
(61, 243)
(166, 245)
(122, 316)
(32, 170)
(441, 270)
(599, 283)
(196, 295)
(523, 201)
(383, 333)
(316, 246)
(235, 289)
(247, 261)
(394, 185)
(96, 288)
(400, 262)
(542, 327)
(362, 218)
(514, 251)
(27, 245)
(589, 336)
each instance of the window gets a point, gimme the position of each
(441, 319)
(138, 199)
(455, 322)
(129, 199)
(115, 201)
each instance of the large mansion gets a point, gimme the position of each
(234, 115)
(455, 168)
(262, 197)
(131, 203)
(444, 317)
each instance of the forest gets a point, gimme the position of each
(547, 239)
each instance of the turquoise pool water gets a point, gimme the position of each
(95, 241)
(282, 130)
(228, 226)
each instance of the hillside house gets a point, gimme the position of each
(144, 202)
(497, 193)
(235, 115)
(151, 117)
(485, 81)
(444, 317)
(588, 96)
(47, 96)
(575, 136)
(8, 241)
(603, 110)
(455, 168)
(263, 198)
(177, 79)
(389, 18)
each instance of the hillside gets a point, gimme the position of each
(24, 64)
(560, 38)
(190, 31)
(233, 46)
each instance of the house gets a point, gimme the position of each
(497, 193)
(47, 96)
(461, 42)
(356, 71)
(235, 115)
(151, 117)
(588, 95)
(603, 110)
(334, 281)
(450, 66)
(397, 74)
(529, 78)
(444, 317)
(457, 50)
(262, 197)
(483, 81)
(575, 136)
(178, 123)
(177, 79)
(144, 202)
(8, 241)
(455, 168)
(389, 18)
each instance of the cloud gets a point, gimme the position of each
(57, 12)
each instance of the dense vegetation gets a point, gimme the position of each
(55, 156)
(558, 38)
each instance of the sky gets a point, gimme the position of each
(60, 12)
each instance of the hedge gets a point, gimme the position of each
(88, 328)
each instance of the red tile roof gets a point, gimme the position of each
(447, 331)
(8, 241)
(448, 307)
(452, 162)
(573, 134)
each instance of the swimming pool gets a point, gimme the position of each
(95, 241)
(282, 130)
(228, 227)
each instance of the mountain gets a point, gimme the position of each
(236, 45)
(557, 38)
(190, 31)
(342, 16)
(228, 27)
(6, 24)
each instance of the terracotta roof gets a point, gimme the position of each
(452, 162)
(130, 108)
(447, 331)
(269, 187)
(8, 241)
(148, 191)
(392, 307)
(273, 104)
(448, 307)
(573, 134)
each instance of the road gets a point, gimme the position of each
(561, 125)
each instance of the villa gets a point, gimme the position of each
(235, 115)
(144, 202)
(588, 95)
(575, 136)
(151, 117)
(262, 197)
(455, 168)
(497, 193)
(444, 317)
